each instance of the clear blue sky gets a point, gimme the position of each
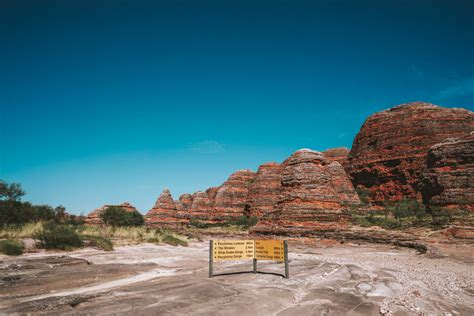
(110, 101)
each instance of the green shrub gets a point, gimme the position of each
(376, 218)
(99, 242)
(11, 247)
(440, 216)
(117, 216)
(406, 208)
(198, 224)
(153, 240)
(173, 241)
(241, 221)
(385, 222)
(56, 236)
(364, 195)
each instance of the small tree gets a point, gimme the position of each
(117, 216)
(11, 192)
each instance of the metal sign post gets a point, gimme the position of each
(211, 257)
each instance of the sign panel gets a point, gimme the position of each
(270, 250)
(233, 249)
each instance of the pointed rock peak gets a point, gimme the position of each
(166, 191)
(164, 198)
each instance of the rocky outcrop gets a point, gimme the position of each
(212, 192)
(164, 213)
(389, 152)
(310, 199)
(342, 184)
(185, 201)
(448, 180)
(264, 192)
(231, 198)
(183, 206)
(94, 217)
(338, 154)
(201, 207)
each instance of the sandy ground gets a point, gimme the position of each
(347, 279)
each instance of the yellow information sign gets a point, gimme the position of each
(270, 250)
(233, 249)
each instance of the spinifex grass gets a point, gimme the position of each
(133, 234)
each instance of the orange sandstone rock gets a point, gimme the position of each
(310, 201)
(389, 152)
(164, 213)
(338, 154)
(94, 217)
(448, 180)
(231, 197)
(201, 207)
(264, 192)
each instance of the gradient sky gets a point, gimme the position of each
(111, 101)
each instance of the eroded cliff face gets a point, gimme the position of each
(231, 198)
(264, 192)
(94, 217)
(448, 180)
(202, 207)
(164, 213)
(310, 200)
(389, 152)
(338, 154)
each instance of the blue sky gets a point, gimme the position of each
(111, 101)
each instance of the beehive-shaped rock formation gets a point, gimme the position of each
(310, 200)
(164, 213)
(389, 152)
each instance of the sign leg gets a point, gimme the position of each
(254, 265)
(287, 268)
(211, 255)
